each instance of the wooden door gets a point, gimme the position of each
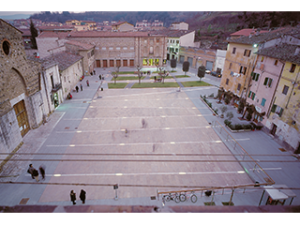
(22, 118)
(104, 63)
(111, 63)
(118, 63)
(131, 62)
(98, 63)
(124, 62)
(273, 131)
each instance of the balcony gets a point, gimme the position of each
(56, 87)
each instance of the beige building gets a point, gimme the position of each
(179, 26)
(122, 26)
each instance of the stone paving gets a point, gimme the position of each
(100, 139)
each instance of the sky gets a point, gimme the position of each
(34, 6)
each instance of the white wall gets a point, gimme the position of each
(187, 40)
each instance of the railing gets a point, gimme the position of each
(251, 167)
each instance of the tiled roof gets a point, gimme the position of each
(63, 59)
(246, 32)
(59, 35)
(82, 46)
(170, 33)
(26, 32)
(64, 27)
(283, 51)
(260, 38)
(107, 34)
(121, 22)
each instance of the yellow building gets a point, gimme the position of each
(72, 22)
(284, 118)
(82, 25)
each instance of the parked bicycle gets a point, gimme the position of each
(192, 196)
(173, 197)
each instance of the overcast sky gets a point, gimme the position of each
(34, 6)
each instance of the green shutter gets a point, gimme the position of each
(257, 76)
(249, 94)
(281, 111)
(273, 108)
(253, 96)
(270, 82)
(266, 81)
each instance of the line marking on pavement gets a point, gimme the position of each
(144, 174)
(132, 117)
(138, 129)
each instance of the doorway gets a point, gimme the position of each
(22, 118)
(274, 128)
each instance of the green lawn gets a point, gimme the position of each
(128, 78)
(117, 85)
(124, 72)
(195, 84)
(170, 77)
(155, 85)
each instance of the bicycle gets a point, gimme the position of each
(192, 196)
(169, 197)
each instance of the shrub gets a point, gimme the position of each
(209, 104)
(227, 122)
(211, 95)
(229, 115)
(246, 126)
(223, 109)
(238, 127)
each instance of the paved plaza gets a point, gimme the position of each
(144, 140)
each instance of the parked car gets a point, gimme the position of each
(216, 74)
(207, 71)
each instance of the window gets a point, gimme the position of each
(111, 48)
(275, 63)
(151, 50)
(247, 52)
(293, 67)
(251, 95)
(6, 47)
(118, 48)
(239, 87)
(268, 82)
(277, 109)
(157, 40)
(124, 48)
(262, 59)
(285, 89)
(230, 65)
(227, 81)
(255, 76)
(233, 50)
(103, 48)
(243, 70)
(263, 101)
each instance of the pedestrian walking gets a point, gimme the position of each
(87, 83)
(35, 174)
(77, 88)
(100, 77)
(91, 73)
(42, 171)
(30, 170)
(73, 197)
(94, 72)
(81, 88)
(82, 196)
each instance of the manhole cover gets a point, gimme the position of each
(67, 128)
(84, 101)
(23, 201)
(282, 149)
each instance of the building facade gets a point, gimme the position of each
(21, 104)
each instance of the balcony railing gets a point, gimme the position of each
(56, 87)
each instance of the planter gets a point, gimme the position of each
(237, 131)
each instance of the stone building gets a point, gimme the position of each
(122, 26)
(87, 51)
(21, 104)
(125, 49)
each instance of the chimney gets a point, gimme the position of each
(297, 50)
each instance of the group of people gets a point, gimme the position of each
(35, 173)
(82, 196)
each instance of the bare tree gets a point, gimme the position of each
(140, 74)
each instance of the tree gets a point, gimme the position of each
(185, 66)
(173, 63)
(34, 34)
(140, 74)
(201, 72)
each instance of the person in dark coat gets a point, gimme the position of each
(87, 82)
(100, 77)
(35, 174)
(82, 196)
(77, 88)
(81, 88)
(42, 171)
(73, 197)
(30, 170)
